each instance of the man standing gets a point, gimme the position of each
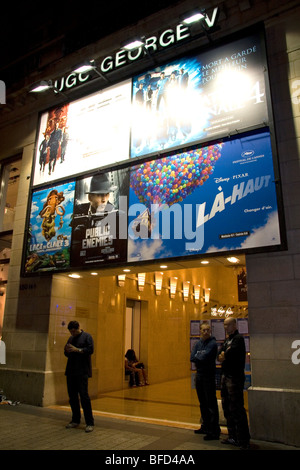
(204, 356)
(232, 356)
(78, 350)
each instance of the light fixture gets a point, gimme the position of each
(94, 274)
(133, 44)
(232, 259)
(193, 17)
(41, 86)
(141, 281)
(206, 295)
(74, 276)
(158, 282)
(45, 86)
(197, 293)
(204, 262)
(88, 66)
(126, 270)
(173, 286)
(121, 280)
(163, 266)
(186, 290)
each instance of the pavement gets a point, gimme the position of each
(30, 428)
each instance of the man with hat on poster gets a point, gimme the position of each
(95, 223)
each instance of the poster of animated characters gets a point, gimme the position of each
(49, 234)
(211, 199)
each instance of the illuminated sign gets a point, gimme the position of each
(152, 44)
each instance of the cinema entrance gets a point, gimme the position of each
(157, 313)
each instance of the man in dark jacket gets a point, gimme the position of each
(232, 356)
(204, 356)
(78, 350)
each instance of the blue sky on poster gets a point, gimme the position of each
(238, 198)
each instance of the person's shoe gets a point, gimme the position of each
(89, 428)
(200, 431)
(230, 441)
(211, 437)
(72, 425)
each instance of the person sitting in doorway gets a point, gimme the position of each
(135, 369)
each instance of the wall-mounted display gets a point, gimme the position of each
(99, 225)
(49, 235)
(193, 99)
(83, 135)
(221, 197)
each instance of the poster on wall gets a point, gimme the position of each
(99, 224)
(220, 197)
(49, 233)
(193, 99)
(83, 135)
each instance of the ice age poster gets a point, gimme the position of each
(221, 197)
(208, 96)
(49, 233)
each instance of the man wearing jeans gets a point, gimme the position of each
(232, 356)
(78, 350)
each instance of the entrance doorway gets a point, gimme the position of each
(133, 326)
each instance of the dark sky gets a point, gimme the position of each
(26, 25)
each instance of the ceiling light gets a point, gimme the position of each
(126, 270)
(232, 259)
(204, 262)
(163, 266)
(193, 17)
(74, 276)
(94, 274)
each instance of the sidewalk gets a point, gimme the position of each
(25, 427)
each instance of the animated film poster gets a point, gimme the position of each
(99, 225)
(200, 98)
(49, 233)
(220, 197)
(85, 134)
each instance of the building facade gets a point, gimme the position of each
(38, 304)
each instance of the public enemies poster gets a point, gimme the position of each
(49, 233)
(99, 225)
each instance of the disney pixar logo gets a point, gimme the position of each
(2, 92)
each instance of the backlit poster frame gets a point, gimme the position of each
(48, 238)
(250, 118)
(212, 199)
(197, 98)
(99, 223)
(91, 132)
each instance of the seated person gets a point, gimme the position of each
(135, 369)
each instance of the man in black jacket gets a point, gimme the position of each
(204, 356)
(78, 350)
(232, 357)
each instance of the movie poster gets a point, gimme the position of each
(216, 93)
(99, 225)
(83, 135)
(216, 198)
(49, 233)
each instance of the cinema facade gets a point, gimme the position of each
(192, 138)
